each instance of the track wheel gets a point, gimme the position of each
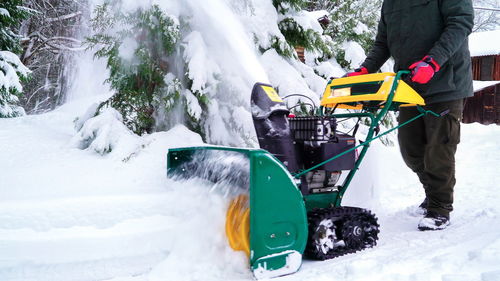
(324, 241)
(238, 224)
(360, 230)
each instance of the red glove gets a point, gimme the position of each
(358, 71)
(422, 71)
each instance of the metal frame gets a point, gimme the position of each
(375, 120)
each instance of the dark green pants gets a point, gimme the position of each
(428, 147)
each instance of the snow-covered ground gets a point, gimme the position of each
(71, 214)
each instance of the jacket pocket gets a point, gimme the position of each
(444, 79)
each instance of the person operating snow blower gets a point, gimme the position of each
(430, 38)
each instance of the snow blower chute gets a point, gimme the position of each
(286, 197)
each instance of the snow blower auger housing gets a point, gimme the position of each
(286, 197)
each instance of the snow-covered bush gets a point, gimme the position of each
(105, 133)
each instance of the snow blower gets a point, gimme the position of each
(286, 197)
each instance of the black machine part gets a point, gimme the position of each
(334, 232)
(301, 142)
(315, 152)
(316, 140)
(313, 128)
(318, 181)
(270, 118)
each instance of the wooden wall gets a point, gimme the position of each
(486, 68)
(483, 107)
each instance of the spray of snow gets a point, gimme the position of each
(286, 78)
(89, 81)
(200, 250)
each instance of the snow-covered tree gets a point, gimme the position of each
(136, 45)
(128, 36)
(12, 71)
(351, 21)
(298, 35)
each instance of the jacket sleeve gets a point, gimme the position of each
(379, 52)
(458, 18)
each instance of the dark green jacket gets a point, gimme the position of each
(411, 29)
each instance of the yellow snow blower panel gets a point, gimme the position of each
(358, 91)
(271, 93)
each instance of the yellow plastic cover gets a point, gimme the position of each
(341, 97)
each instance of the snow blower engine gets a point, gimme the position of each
(285, 198)
(301, 142)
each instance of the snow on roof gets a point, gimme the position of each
(485, 43)
(479, 85)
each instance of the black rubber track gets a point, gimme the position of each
(353, 229)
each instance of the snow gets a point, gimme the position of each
(293, 262)
(220, 53)
(194, 108)
(4, 12)
(260, 19)
(202, 69)
(106, 134)
(127, 49)
(319, 14)
(361, 28)
(484, 43)
(479, 85)
(308, 20)
(286, 78)
(330, 69)
(354, 53)
(70, 214)
(11, 72)
(89, 78)
(10, 66)
(224, 65)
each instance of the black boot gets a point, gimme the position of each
(422, 208)
(433, 221)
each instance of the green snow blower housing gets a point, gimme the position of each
(286, 197)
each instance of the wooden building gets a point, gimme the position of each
(486, 68)
(484, 106)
